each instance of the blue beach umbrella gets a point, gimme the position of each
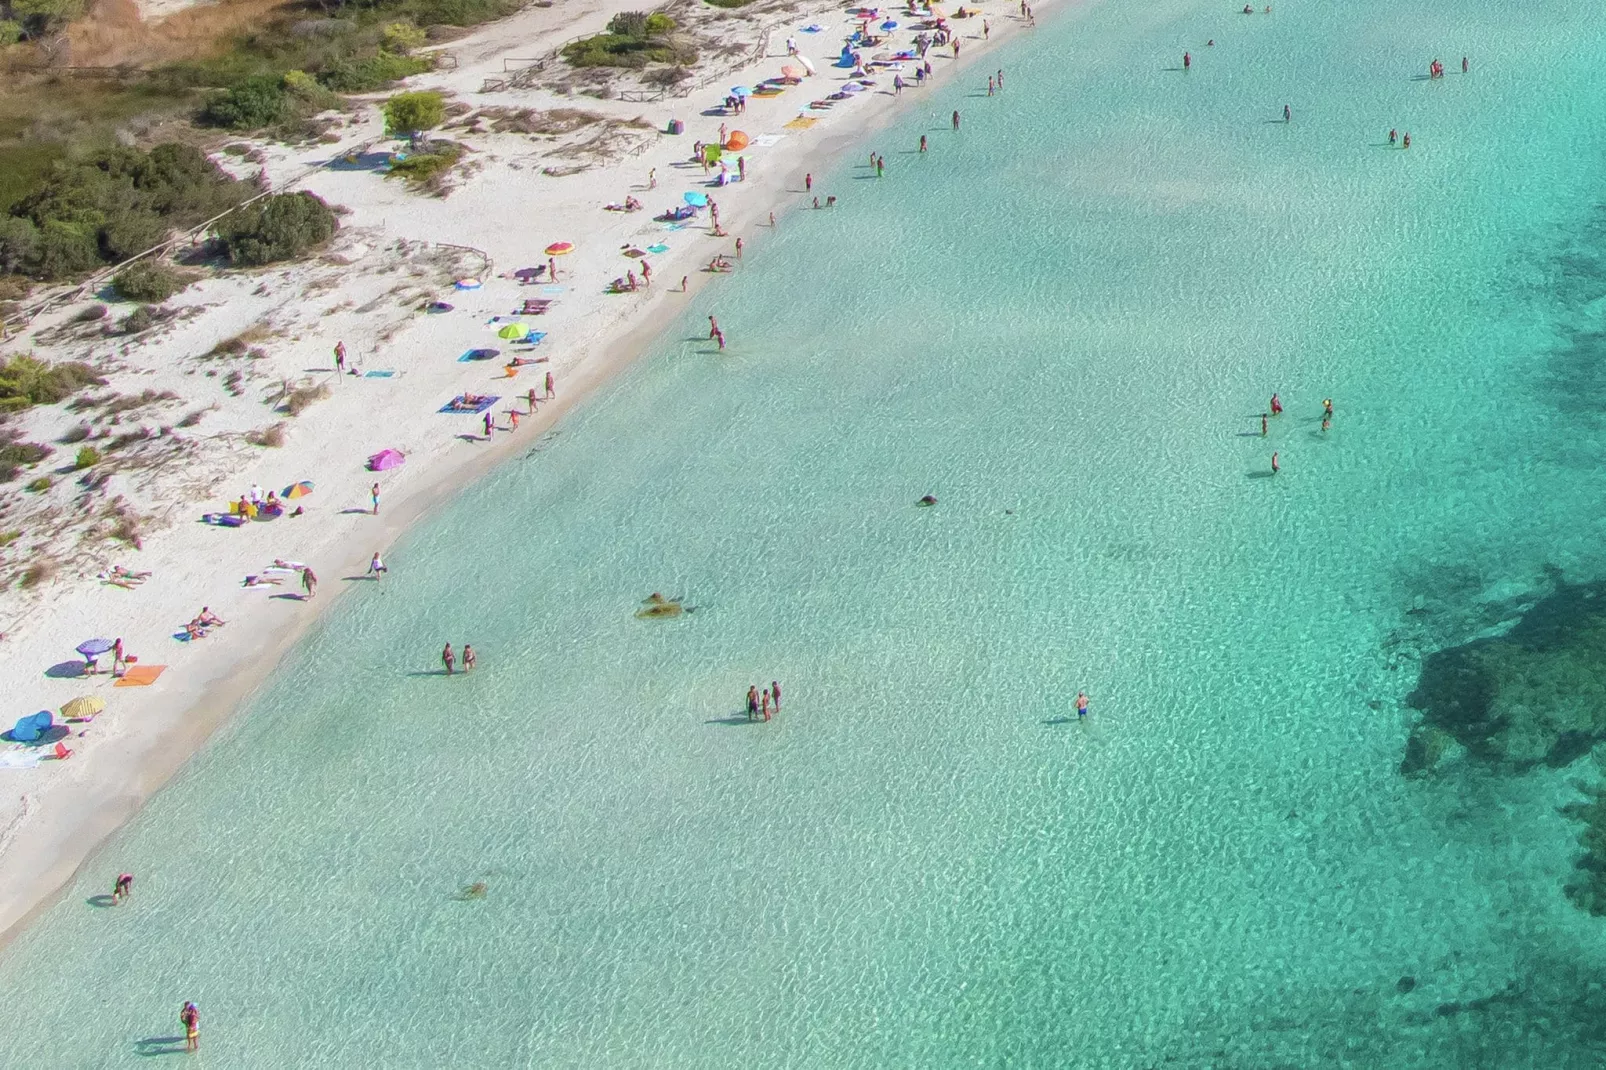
(697, 200)
(91, 648)
(741, 91)
(889, 25)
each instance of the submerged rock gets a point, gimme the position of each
(1535, 694)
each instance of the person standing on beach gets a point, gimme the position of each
(449, 659)
(989, 85)
(738, 248)
(1187, 61)
(309, 581)
(685, 280)
(468, 658)
(552, 268)
(752, 701)
(775, 690)
(956, 119)
(190, 1018)
(340, 356)
(1081, 705)
(123, 888)
(118, 657)
(922, 143)
(550, 393)
(764, 703)
(373, 496)
(376, 566)
(652, 178)
(530, 398)
(490, 424)
(808, 182)
(986, 30)
(880, 166)
(646, 273)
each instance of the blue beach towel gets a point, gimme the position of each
(379, 375)
(484, 403)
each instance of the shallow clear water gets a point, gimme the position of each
(1062, 321)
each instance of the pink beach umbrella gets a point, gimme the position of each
(385, 460)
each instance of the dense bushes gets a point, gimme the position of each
(111, 205)
(266, 102)
(634, 39)
(149, 280)
(281, 227)
(427, 168)
(36, 18)
(372, 72)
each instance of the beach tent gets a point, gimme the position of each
(696, 200)
(385, 460)
(31, 727)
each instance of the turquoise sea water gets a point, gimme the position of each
(1063, 321)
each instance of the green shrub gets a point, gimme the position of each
(10, 32)
(252, 105)
(131, 232)
(374, 72)
(88, 457)
(136, 321)
(409, 113)
(26, 381)
(400, 38)
(427, 169)
(40, 485)
(149, 280)
(281, 227)
(38, 18)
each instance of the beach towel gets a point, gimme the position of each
(140, 675)
(19, 759)
(659, 248)
(764, 141)
(456, 406)
(379, 375)
(802, 122)
(553, 289)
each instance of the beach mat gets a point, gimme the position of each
(450, 407)
(379, 374)
(802, 122)
(140, 675)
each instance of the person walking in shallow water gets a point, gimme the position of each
(1275, 467)
(1081, 705)
(469, 660)
(123, 888)
(449, 659)
(752, 702)
(190, 1018)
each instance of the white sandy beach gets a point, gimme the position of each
(397, 250)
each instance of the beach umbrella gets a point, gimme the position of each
(92, 648)
(852, 87)
(385, 460)
(560, 248)
(468, 284)
(889, 25)
(741, 91)
(696, 200)
(513, 332)
(737, 141)
(299, 490)
(84, 706)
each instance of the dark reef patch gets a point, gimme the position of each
(1536, 694)
(1588, 889)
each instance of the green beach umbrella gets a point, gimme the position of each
(513, 332)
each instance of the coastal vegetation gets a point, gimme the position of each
(106, 206)
(634, 39)
(27, 381)
(407, 114)
(149, 281)
(281, 227)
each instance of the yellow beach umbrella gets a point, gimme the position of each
(84, 706)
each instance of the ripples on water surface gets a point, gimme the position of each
(1062, 322)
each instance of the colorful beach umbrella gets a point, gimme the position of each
(468, 284)
(84, 706)
(299, 490)
(513, 332)
(697, 200)
(741, 91)
(91, 648)
(889, 25)
(560, 248)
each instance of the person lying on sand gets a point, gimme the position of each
(260, 581)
